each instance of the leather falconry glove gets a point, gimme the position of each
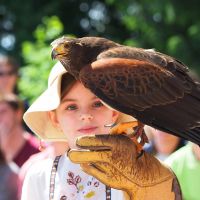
(113, 159)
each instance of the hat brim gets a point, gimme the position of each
(36, 117)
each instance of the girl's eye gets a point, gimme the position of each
(97, 104)
(71, 107)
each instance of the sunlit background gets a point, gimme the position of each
(27, 28)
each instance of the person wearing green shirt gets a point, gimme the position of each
(185, 163)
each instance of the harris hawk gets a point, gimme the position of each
(154, 88)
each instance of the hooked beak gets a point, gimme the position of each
(54, 54)
(58, 51)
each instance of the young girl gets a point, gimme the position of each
(65, 111)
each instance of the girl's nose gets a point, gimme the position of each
(84, 117)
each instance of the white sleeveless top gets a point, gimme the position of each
(71, 183)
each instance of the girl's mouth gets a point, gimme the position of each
(87, 130)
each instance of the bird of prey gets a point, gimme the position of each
(153, 87)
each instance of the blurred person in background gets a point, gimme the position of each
(8, 75)
(8, 179)
(16, 143)
(185, 163)
(161, 143)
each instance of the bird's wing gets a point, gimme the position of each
(137, 84)
(149, 55)
(149, 92)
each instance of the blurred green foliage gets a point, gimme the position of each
(172, 27)
(36, 55)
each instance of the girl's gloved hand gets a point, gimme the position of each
(113, 160)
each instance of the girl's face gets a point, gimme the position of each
(82, 113)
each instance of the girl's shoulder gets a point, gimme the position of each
(40, 167)
(36, 182)
(44, 166)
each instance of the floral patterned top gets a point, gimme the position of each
(71, 183)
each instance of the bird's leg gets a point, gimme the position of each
(138, 136)
(139, 133)
(121, 128)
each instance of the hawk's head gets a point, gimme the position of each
(75, 53)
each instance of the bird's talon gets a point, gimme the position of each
(138, 136)
(123, 127)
